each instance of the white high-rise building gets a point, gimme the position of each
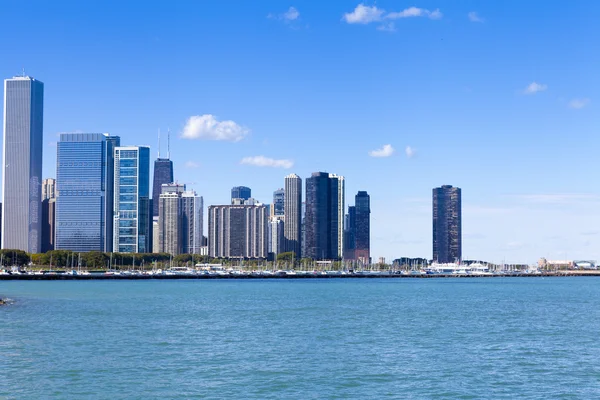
(48, 189)
(22, 172)
(292, 211)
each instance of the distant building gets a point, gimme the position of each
(237, 231)
(276, 237)
(292, 229)
(48, 224)
(362, 227)
(22, 157)
(241, 192)
(350, 227)
(48, 189)
(132, 194)
(278, 202)
(163, 173)
(192, 222)
(170, 210)
(447, 224)
(84, 214)
(324, 222)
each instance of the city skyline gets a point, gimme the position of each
(463, 102)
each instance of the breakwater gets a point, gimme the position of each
(104, 276)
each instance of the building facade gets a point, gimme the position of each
(292, 210)
(447, 224)
(238, 231)
(278, 203)
(192, 222)
(349, 239)
(241, 192)
(48, 189)
(48, 224)
(22, 156)
(169, 217)
(362, 227)
(131, 199)
(324, 199)
(163, 173)
(276, 235)
(83, 212)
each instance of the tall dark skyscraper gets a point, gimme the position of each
(22, 156)
(324, 197)
(362, 227)
(241, 192)
(447, 224)
(278, 202)
(163, 174)
(350, 230)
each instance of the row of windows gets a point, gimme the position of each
(128, 181)
(79, 224)
(128, 163)
(127, 214)
(128, 153)
(128, 172)
(80, 193)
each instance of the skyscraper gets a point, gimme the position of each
(48, 224)
(241, 192)
(163, 173)
(324, 199)
(350, 230)
(22, 172)
(48, 189)
(192, 222)
(278, 202)
(238, 231)
(83, 212)
(275, 235)
(131, 204)
(447, 224)
(292, 210)
(362, 227)
(170, 234)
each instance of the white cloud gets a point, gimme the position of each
(410, 152)
(474, 17)
(386, 151)
(208, 127)
(292, 14)
(579, 103)
(192, 164)
(366, 14)
(535, 87)
(262, 161)
(363, 15)
(415, 12)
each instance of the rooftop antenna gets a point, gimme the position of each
(23, 72)
(168, 143)
(158, 142)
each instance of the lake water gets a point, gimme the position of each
(301, 339)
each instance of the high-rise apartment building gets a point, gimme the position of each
(192, 225)
(324, 209)
(276, 235)
(131, 199)
(292, 210)
(278, 202)
(84, 175)
(350, 229)
(241, 192)
(238, 231)
(170, 234)
(362, 227)
(447, 224)
(48, 189)
(22, 156)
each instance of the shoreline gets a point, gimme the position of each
(65, 277)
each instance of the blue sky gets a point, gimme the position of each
(498, 98)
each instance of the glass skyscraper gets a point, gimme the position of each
(22, 172)
(163, 173)
(292, 228)
(84, 181)
(131, 199)
(447, 224)
(362, 227)
(324, 216)
(278, 202)
(241, 192)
